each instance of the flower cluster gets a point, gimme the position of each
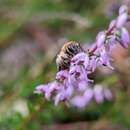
(73, 86)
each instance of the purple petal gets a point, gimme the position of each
(123, 9)
(78, 101)
(105, 59)
(108, 94)
(61, 74)
(82, 101)
(52, 87)
(82, 85)
(100, 39)
(112, 24)
(69, 91)
(41, 88)
(86, 62)
(121, 20)
(111, 43)
(88, 95)
(92, 64)
(98, 93)
(83, 75)
(125, 38)
(58, 98)
(80, 57)
(75, 69)
(49, 89)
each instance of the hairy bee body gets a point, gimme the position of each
(67, 52)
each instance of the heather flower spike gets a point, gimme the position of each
(72, 85)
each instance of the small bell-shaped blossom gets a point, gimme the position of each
(121, 20)
(100, 39)
(125, 37)
(123, 9)
(98, 94)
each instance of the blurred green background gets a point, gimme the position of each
(31, 34)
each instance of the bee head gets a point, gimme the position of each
(68, 51)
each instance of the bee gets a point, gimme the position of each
(67, 52)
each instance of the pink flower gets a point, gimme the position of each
(78, 101)
(121, 20)
(123, 9)
(98, 94)
(80, 58)
(84, 100)
(105, 60)
(100, 39)
(108, 94)
(125, 37)
(111, 25)
(48, 89)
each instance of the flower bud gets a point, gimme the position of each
(123, 9)
(100, 39)
(121, 20)
(125, 38)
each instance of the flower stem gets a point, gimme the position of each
(91, 52)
